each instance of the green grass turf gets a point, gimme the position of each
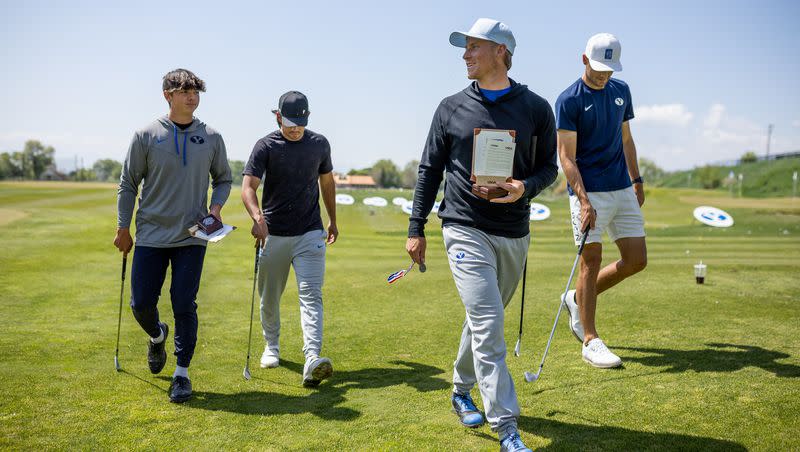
(707, 367)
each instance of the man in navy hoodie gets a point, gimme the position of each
(486, 241)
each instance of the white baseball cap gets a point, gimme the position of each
(488, 29)
(603, 51)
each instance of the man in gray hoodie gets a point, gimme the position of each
(171, 158)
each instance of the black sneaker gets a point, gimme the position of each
(156, 354)
(180, 390)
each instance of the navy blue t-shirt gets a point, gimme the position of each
(290, 171)
(597, 117)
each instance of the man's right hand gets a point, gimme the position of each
(588, 215)
(259, 230)
(123, 240)
(415, 246)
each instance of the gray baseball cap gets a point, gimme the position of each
(488, 29)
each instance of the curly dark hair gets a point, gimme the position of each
(179, 79)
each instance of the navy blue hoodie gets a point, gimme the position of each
(448, 150)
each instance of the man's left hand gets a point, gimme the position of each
(515, 190)
(639, 190)
(333, 233)
(216, 210)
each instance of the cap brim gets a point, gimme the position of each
(603, 67)
(294, 122)
(459, 38)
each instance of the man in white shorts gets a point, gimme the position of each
(598, 157)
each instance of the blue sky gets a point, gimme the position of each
(706, 77)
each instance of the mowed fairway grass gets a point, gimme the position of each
(707, 367)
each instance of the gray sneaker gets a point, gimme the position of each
(316, 370)
(574, 315)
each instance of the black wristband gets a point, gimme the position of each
(638, 180)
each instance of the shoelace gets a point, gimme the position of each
(515, 442)
(465, 403)
(599, 347)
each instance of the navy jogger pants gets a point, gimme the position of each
(147, 277)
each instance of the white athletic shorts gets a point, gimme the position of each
(618, 212)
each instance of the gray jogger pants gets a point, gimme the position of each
(486, 269)
(306, 253)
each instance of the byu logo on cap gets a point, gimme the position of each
(609, 53)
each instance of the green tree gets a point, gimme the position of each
(409, 175)
(709, 177)
(649, 171)
(385, 174)
(9, 168)
(107, 170)
(237, 167)
(360, 172)
(36, 158)
(749, 157)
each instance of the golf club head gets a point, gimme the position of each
(116, 364)
(422, 268)
(529, 376)
(516, 348)
(246, 373)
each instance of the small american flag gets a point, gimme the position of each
(399, 274)
(395, 276)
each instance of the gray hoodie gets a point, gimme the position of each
(172, 166)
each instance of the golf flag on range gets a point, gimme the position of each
(395, 276)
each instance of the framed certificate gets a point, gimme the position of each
(492, 161)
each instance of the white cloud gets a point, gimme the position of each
(796, 123)
(674, 114)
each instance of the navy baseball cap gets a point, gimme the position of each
(293, 107)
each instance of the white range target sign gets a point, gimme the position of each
(712, 216)
(345, 199)
(539, 212)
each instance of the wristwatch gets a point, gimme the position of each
(638, 180)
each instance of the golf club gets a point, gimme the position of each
(522, 307)
(119, 317)
(246, 372)
(529, 377)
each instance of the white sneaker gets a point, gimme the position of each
(597, 354)
(270, 358)
(316, 370)
(574, 315)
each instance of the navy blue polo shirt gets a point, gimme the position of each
(597, 116)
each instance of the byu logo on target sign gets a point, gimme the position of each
(712, 216)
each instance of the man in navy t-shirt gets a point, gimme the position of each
(598, 157)
(294, 163)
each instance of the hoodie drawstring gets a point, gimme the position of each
(177, 149)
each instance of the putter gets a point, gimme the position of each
(119, 317)
(529, 377)
(246, 372)
(521, 308)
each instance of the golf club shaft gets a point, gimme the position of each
(252, 302)
(561, 305)
(521, 308)
(522, 305)
(121, 292)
